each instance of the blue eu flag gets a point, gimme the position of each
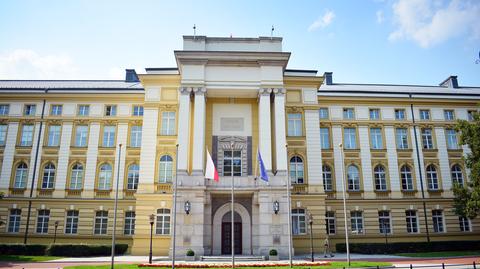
(263, 171)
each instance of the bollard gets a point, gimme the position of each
(474, 265)
(411, 267)
(443, 265)
(378, 267)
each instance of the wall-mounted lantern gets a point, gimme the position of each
(187, 207)
(276, 207)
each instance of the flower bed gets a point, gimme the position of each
(228, 265)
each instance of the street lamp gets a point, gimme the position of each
(344, 203)
(55, 234)
(310, 221)
(187, 207)
(385, 226)
(152, 220)
(276, 207)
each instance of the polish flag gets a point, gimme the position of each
(210, 170)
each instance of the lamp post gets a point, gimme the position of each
(344, 203)
(310, 221)
(384, 226)
(55, 234)
(152, 220)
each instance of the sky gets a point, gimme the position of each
(419, 42)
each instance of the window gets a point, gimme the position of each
(452, 142)
(325, 137)
(56, 110)
(356, 219)
(380, 178)
(424, 114)
(427, 138)
(83, 110)
(323, 112)
(76, 177)
(21, 176)
(296, 170)
(81, 136)
(163, 221)
(384, 222)
(330, 222)
(437, 218)
(376, 139)
(457, 175)
(14, 220)
(101, 223)
(166, 169)
(350, 138)
(400, 114)
(29, 110)
(136, 136)
(449, 115)
(401, 138)
(375, 114)
(470, 114)
(137, 110)
(129, 228)
(4, 109)
(105, 177)
(42, 221)
(464, 224)
(168, 123)
(232, 162)
(3, 134)
(407, 180)
(110, 110)
(109, 136)
(27, 136)
(298, 221)
(327, 178)
(348, 113)
(294, 124)
(432, 177)
(48, 176)
(412, 221)
(353, 178)
(71, 222)
(133, 176)
(54, 135)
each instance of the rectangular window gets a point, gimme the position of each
(323, 112)
(56, 110)
(27, 136)
(330, 221)
(412, 221)
(4, 109)
(110, 110)
(294, 124)
(325, 137)
(83, 110)
(108, 136)
(348, 113)
(400, 114)
(163, 221)
(350, 138)
(401, 138)
(235, 160)
(71, 222)
(81, 136)
(3, 134)
(137, 110)
(427, 138)
(136, 136)
(29, 110)
(356, 219)
(168, 123)
(54, 135)
(464, 224)
(424, 114)
(374, 114)
(129, 228)
(452, 142)
(298, 221)
(384, 222)
(376, 138)
(42, 221)
(14, 220)
(101, 222)
(449, 115)
(470, 114)
(437, 218)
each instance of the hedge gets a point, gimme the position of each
(67, 250)
(409, 247)
(21, 249)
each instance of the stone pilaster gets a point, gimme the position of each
(8, 154)
(264, 127)
(38, 177)
(314, 149)
(91, 165)
(199, 131)
(148, 152)
(63, 158)
(280, 134)
(184, 129)
(122, 130)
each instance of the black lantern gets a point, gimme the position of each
(55, 234)
(187, 207)
(152, 221)
(276, 207)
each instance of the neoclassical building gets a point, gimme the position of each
(394, 145)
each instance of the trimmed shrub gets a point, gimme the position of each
(409, 247)
(273, 252)
(85, 250)
(21, 249)
(190, 253)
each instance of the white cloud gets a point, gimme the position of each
(429, 22)
(322, 21)
(380, 17)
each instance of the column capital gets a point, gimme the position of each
(279, 91)
(185, 90)
(199, 90)
(265, 91)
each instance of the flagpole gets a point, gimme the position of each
(233, 211)
(175, 209)
(289, 214)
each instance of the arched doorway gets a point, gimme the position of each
(222, 229)
(227, 233)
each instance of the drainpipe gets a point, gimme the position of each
(419, 168)
(34, 171)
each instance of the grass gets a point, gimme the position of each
(24, 258)
(441, 254)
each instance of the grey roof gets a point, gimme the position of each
(70, 84)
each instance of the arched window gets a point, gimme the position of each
(406, 176)
(166, 169)
(353, 177)
(133, 175)
(327, 178)
(163, 221)
(457, 175)
(296, 170)
(380, 178)
(105, 177)
(21, 176)
(76, 177)
(48, 176)
(432, 177)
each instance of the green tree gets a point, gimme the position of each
(467, 197)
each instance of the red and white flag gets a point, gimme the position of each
(210, 170)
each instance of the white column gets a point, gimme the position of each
(264, 128)
(392, 160)
(63, 158)
(183, 129)
(366, 158)
(198, 131)
(8, 154)
(38, 178)
(337, 155)
(280, 134)
(122, 130)
(415, 160)
(314, 149)
(91, 164)
(148, 150)
(443, 159)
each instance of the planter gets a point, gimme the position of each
(189, 258)
(273, 258)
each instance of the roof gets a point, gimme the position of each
(71, 85)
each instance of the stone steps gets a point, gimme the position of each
(229, 258)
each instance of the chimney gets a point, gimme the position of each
(327, 78)
(451, 82)
(131, 75)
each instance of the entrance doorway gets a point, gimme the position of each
(227, 238)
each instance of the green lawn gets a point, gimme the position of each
(441, 254)
(23, 258)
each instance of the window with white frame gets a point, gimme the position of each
(348, 113)
(452, 142)
(427, 139)
(295, 124)
(424, 114)
(401, 138)
(376, 138)
(136, 136)
(380, 178)
(457, 175)
(14, 220)
(400, 114)
(353, 178)
(327, 178)
(330, 222)
(406, 177)
(42, 221)
(232, 163)
(48, 176)
(163, 221)
(384, 224)
(54, 135)
(27, 135)
(21, 173)
(71, 222)
(133, 176)
(356, 220)
(325, 137)
(323, 113)
(374, 114)
(109, 136)
(165, 169)
(432, 177)
(56, 110)
(437, 219)
(350, 138)
(298, 221)
(296, 170)
(76, 177)
(137, 111)
(83, 110)
(81, 135)
(3, 134)
(110, 110)
(4, 109)
(449, 114)
(101, 223)
(129, 227)
(464, 224)
(105, 177)
(168, 123)
(412, 221)
(29, 110)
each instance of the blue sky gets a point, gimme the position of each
(369, 41)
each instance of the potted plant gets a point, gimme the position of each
(273, 255)
(190, 255)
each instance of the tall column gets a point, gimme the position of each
(38, 177)
(280, 135)
(63, 158)
(122, 131)
(198, 131)
(264, 128)
(314, 149)
(91, 165)
(392, 162)
(8, 154)
(148, 150)
(183, 129)
(364, 140)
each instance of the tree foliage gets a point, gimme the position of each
(467, 197)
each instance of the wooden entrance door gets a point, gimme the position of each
(227, 239)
